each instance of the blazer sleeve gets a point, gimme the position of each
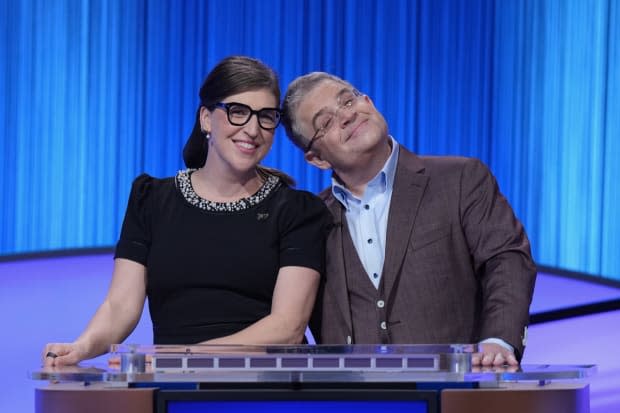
(501, 255)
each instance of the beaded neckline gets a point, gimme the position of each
(185, 185)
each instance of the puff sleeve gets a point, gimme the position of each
(304, 224)
(135, 239)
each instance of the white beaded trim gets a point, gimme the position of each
(185, 185)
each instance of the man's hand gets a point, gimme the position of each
(492, 354)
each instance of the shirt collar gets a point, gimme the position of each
(383, 181)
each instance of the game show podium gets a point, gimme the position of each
(304, 379)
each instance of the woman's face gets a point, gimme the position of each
(240, 148)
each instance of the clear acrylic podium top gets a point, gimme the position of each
(301, 364)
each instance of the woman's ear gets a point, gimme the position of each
(205, 119)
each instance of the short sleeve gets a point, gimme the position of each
(305, 224)
(135, 240)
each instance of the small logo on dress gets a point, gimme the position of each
(262, 216)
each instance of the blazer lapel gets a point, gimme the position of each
(409, 186)
(336, 284)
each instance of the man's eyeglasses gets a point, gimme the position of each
(325, 120)
(240, 114)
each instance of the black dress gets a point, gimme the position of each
(212, 267)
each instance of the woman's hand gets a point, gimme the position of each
(63, 354)
(115, 318)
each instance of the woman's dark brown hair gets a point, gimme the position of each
(233, 75)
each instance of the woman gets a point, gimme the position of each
(228, 253)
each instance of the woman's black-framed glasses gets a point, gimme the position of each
(240, 114)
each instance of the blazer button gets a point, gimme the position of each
(383, 325)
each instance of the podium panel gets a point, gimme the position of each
(565, 398)
(94, 398)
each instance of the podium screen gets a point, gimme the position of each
(287, 401)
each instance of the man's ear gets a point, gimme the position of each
(315, 159)
(205, 119)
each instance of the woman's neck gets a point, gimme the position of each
(211, 184)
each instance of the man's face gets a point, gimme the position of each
(343, 124)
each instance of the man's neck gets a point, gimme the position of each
(356, 179)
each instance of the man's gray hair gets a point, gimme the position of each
(296, 91)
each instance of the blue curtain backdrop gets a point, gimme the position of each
(92, 93)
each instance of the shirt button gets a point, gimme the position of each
(383, 325)
(375, 275)
(370, 240)
(380, 303)
(366, 206)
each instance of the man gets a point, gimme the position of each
(424, 249)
